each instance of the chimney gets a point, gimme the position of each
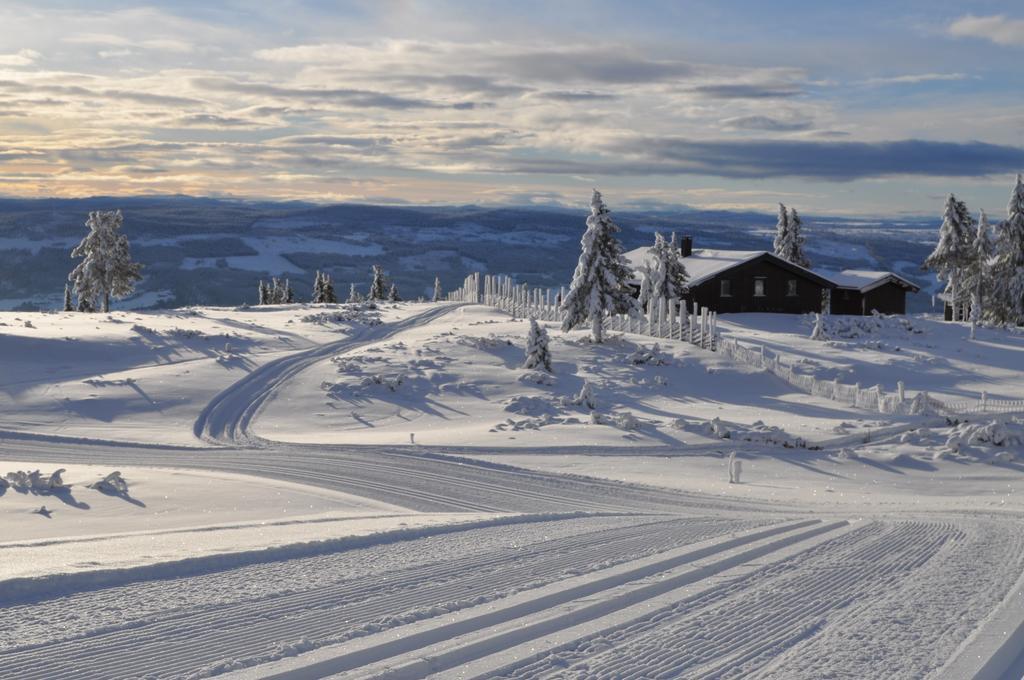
(686, 246)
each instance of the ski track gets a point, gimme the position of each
(874, 601)
(736, 628)
(176, 642)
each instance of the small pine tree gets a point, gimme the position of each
(106, 270)
(67, 298)
(600, 282)
(393, 295)
(586, 396)
(1008, 268)
(438, 293)
(378, 285)
(327, 290)
(318, 288)
(819, 328)
(353, 294)
(537, 353)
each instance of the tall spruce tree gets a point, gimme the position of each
(438, 293)
(288, 296)
(537, 353)
(600, 282)
(378, 285)
(978, 273)
(795, 246)
(67, 298)
(952, 252)
(106, 270)
(779, 245)
(264, 293)
(1008, 268)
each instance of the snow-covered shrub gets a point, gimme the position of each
(644, 356)
(113, 484)
(586, 397)
(529, 406)
(34, 481)
(536, 378)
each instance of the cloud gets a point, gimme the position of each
(915, 78)
(819, 160)
(768, 123)
(19, 58)
(355, 98)
(997, 28)
(577, 96)
(747, 91)
(578, 65)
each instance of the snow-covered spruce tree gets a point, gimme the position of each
(978, 273)
(287, 293)
(1008, 268)
(264, 294)
(106, 270)
(353, 294)
(667, 273)
(795, 246)
(378, 285)
(438, 293)
(327, 289)
(781, 232)
(318, 288)
(537, 353)
(599, 284)
(586, 396)
(951, 253)
(393, 295)
(67, 298)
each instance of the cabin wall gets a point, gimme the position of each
(775, 299)
(889, 298)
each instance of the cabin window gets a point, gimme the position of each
(726, 288)
(758, 287)
(791, 288)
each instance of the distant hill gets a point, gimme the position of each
(213, 251)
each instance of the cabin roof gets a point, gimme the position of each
(705, 264)
(863, 280)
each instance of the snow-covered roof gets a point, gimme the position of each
(705, 264)
(864, 280)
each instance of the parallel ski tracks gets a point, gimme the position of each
(182, 642)
(733, 629)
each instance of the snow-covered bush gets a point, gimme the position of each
(113, 484)
(586, 397)
(537, 353)
(648, 356)
(529, 406)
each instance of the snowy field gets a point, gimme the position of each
(319, 491)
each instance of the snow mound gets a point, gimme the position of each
(755, 433)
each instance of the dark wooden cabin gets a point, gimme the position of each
(746, 281)
(860, 293)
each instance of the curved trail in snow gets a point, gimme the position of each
(228, 417)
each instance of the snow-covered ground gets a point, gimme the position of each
(459, 381)
(329, 491)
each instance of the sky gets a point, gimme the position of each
(860, 108)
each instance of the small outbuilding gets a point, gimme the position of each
(860, 292)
